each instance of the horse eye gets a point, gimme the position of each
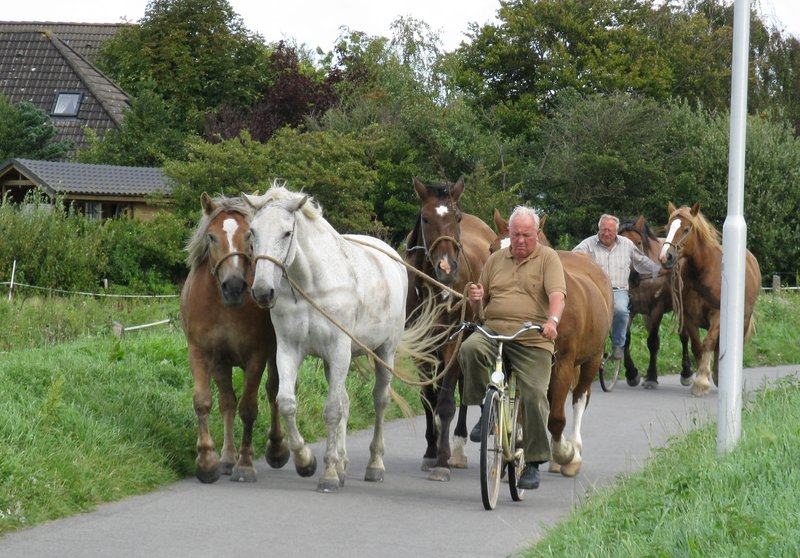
(424, 220)
(211, 238)
(288, 234)
(458, 218)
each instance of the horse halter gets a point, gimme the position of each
(679, 244)
(281, 263)
(429, 249)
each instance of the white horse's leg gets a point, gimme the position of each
(380, 397)
(338, 363)
(341, 468)
(288, 362)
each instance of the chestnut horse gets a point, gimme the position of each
(225, 328)
(652, 299)
(451, 246)
(582, 332)
(694, 253)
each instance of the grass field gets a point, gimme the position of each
(688, 501)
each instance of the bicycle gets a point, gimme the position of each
(501, 431)
(609, 369)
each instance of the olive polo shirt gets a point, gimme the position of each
(519, 292)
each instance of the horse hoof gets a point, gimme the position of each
(307, 470)
(207, 477)
(277, 454)
(650, 384)
(571, 469)
(633, 382)
(441, 474)
(328, 485)
(700, 390)
(458, 461)
(243, 474)
(686, 380)
(428, 463)
(373, 474)
(342, 476)
(226, 467)
(553, 467)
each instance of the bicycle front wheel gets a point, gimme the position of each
(491, 449)
(609, 373)
(516, 466)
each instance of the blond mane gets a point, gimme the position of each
(197, 247)
(706, 232)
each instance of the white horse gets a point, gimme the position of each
(362, 288)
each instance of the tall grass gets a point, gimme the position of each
(97, 419)
(688, 501)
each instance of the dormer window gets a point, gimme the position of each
(67, 103)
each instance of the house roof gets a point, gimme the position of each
(83, 38)
(80, 178)
(36, 65)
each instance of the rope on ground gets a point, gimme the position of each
(106, 295)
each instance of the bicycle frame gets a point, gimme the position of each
(506, 386)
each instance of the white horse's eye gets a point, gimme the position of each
(287, 234)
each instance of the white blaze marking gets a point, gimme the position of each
(505, 243)
(442, 210)
(230, 226)
(673, 228)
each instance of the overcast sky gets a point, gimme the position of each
(317, 22)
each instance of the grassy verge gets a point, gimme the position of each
(690, 502)
(98, 419)
(774, 341)
(38, 321)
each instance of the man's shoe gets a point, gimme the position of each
(617, 353)
(529, 480)
(475, 433)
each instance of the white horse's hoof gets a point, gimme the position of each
(243, 474)
(328, 485)
(307, 470)
(700, 390)
(553, 467)
(457, 461)
(373, 474)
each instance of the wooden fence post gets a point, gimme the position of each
(776, 283)
(11, 286)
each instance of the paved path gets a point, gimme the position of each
(406, 516)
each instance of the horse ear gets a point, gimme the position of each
(500, 223)
(254, 201)
(458, 188)
(695, 209)
(420, 189)
(639, 225)
(671, 208)
(207, 203)
(299, 203)
(542, 221)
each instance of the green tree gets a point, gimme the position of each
(151, 133)
(197, 52)
(27, 132)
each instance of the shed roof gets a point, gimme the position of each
(81, 178)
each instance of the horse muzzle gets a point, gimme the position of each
(232, 290)
(669, 259)
(263, 297)
(446, 270)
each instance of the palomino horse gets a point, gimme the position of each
(582, 332)
(224, 328)
(452, 246)
(693, 251)
(652, 299)
(300, 262)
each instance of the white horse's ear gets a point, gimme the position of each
(207, 204)
(255, 201)
(695, 209)
(299, 203)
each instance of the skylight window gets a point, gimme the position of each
(67, 103)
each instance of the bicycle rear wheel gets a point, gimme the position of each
(491, 449)
(516, 466)
(609, 372)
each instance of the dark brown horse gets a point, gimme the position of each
(582, 332)
(451, 246)
(225, 328)
(652, 299)
(693, 251)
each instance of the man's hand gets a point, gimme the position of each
(549, 330)
(475, 293)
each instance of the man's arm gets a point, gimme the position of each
(583, 246)
(643, 264)
(549, 329)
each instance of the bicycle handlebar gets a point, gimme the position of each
(470, 326)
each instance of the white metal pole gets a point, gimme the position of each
(11, 285)
(734, 240)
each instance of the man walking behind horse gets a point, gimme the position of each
(521, 283)
(616, 254)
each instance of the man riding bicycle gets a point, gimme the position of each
(523, 282)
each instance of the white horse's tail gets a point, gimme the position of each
(424, 335)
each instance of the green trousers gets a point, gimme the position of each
(531, 366)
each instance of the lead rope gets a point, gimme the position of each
(676, 290)
(366, 349)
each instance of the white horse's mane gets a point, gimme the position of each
(279, 192)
